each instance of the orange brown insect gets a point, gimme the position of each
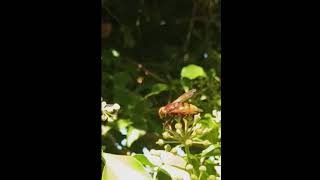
(180, 107)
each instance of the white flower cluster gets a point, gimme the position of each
(109, 107)
(217, 115)
(109, 111)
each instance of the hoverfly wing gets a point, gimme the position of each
(185, 96)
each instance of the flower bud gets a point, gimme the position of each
(194, 177)
(199, 131)
(212, 177)
(189, 167)
(178, 125)
(188, 142)
(202, 168)
(179, 131)
(174, 151)
(116, 106)
(206, 143)
(160, 142)
(197, 117)
(167, 147)
(166, 135)
(103, 104)
(104, 117)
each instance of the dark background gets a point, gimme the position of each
(51, 87)
(145, 46)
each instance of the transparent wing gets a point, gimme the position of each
(185, 96)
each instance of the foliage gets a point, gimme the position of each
(116, 165)
(152, 52)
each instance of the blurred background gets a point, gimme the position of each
(152, 52)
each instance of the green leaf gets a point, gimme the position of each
(119, 167)
(186, 84)
(143, 160)
(213, 128)
(123, 123)
(104, 173)
(157, 89)
(206, 151)
(125, 97)
(192, 72)
(176, 173)
(134, 134)
(162, 175)
(121, 79)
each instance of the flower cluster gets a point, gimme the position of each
(192, 131)
(109, 111)
(185, 131)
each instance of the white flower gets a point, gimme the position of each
(217, 160)
(197, 117)
(116, 106)
(103, 105)
(168, 162)
(217, 115)
(218, 169)
(109, 108)
(104, 117)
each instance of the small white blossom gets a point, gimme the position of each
(116, 106)
(109, 108)
(218, 169)
(217, 115)
(103, 105)
(197, 117)
(104, 117)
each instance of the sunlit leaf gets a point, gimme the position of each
(186, 84)
(119, 167)
(192, 72)
(123, 123)
(206, 151)
(212, 128)
(143, 160)
(134, 134)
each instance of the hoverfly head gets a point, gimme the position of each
(162, 112)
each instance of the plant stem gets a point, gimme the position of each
(200, 175)
(188, 153)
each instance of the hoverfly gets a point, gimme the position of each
(179, 107)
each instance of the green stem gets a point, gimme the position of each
(171, 141)
(188, 153)
(200, 175)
